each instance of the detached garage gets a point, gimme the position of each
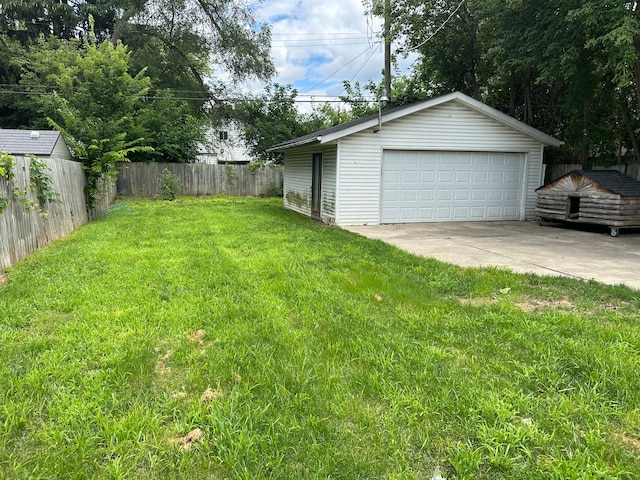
(451, 158)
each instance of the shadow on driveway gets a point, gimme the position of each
(586, 252)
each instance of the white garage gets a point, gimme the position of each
(451, 158)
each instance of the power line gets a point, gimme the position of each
(324, 44)
(343, 66)
(360, 69)
(439, 28)
(312, 99)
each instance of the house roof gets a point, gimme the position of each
(334, 133)
(612, 180)
(21, 142)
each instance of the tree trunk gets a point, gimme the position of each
(512, 94)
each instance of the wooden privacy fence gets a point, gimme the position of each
(144, 179)
(23, 232)
(555, 171)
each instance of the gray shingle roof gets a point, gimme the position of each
(613, 180)
(21, 142)
(338, 131)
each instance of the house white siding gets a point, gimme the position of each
(61, 151)
(297, 180)
(224, 145)
(447, 127)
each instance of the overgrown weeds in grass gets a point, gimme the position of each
(227, 338)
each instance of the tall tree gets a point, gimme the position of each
(568, 67)
(94, 103)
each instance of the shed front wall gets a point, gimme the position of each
(447, 127)
(297, 180)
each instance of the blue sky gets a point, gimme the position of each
(316, 45)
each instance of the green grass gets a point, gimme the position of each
(328, 356)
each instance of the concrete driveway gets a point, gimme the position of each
(587, 252)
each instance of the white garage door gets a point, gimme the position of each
(451, 186)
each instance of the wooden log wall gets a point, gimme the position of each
(23, 232)
(601, 209)
(144, 179)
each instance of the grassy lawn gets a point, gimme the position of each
(227, 338)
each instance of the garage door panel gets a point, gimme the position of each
(445, 176)
(463, 176)
(462, 195)
(446, 195)
(408, 214)
(451, 186)
(427, 195)
(460, 213)
(478, 195)
(511, 194)
(409, 196)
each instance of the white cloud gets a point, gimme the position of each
(317, 45)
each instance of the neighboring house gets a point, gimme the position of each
(225, 145)
(451, 158)
(41, 143)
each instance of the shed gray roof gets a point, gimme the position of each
(613, 180)
(22, 142)
(342, 130)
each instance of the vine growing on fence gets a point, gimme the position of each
(39, 182)
(7, 162)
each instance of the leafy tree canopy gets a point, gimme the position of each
(568, 67)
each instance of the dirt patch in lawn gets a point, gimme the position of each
(161, 366)
(192, 438)
(3, 279)
(210, 395)
(197, 337)
(531, 305)
(630, 444)
(528, 304)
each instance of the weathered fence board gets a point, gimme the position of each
(23, 232)
(144, 179)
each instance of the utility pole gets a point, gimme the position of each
(387, 47)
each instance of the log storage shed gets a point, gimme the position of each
(599, 197)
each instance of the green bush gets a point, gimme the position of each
(170, 185)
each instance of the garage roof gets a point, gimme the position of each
(371, 121)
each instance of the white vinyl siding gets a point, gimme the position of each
(297, 180)
(447, 127)
(61, 151)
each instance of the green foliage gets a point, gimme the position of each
(170, 128)
(7, 163)
(229, 173)
(175, 41)
(39, 183)
(95, 103)
(571, 69)
(170, 185)
(270, 119)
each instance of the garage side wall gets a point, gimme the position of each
(297, 180)
(447, 127)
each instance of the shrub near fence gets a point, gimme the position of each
(22, 231)
(144, 179)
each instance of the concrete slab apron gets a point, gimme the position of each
(521, 247)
